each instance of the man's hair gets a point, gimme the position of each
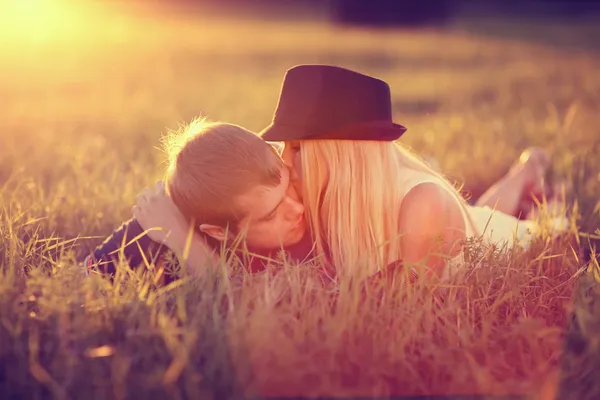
(211, 164)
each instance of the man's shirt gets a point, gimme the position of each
(137, 249)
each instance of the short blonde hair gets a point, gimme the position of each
(211, 164)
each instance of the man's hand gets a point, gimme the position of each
(155, 211)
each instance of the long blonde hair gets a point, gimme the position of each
(352, 194)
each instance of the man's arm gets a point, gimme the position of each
(195, 256)
(135, 244)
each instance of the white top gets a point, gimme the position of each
(481, 222)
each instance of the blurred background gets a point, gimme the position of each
(411, 13)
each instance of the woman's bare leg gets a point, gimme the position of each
(525, 177)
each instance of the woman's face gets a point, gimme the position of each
(291, 156)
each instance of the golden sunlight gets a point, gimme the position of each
(28, 11)
(39, 20)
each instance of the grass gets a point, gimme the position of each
(83, 110)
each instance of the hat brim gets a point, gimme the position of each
(386, 132)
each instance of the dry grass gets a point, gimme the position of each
(80, 117)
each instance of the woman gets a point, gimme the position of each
(370, 203)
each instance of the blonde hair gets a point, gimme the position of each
(211, 164)
(352, 194)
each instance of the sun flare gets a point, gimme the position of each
(31, 10)
(39, 19)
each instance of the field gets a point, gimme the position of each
(87, 94)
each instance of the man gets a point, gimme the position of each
(229, 183)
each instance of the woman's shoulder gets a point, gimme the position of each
(432, 226)
(427, 196)
(430, 207)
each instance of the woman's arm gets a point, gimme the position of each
(432, 227)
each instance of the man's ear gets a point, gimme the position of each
(217, 232)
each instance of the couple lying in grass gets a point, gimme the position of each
(340, 190)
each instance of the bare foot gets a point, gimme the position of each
(534, 163)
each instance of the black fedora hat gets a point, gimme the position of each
(329, 102)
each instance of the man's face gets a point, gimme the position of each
(275, 215)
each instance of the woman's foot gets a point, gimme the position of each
(513, 194)
(533, 165)
(535, 162)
